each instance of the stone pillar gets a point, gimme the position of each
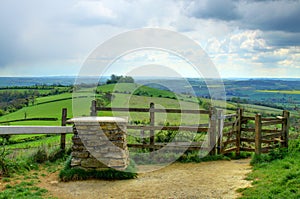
(99, 143)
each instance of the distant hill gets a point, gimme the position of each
(58, 80)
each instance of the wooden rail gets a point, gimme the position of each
(19, 130)
(265, 135)
(25, 130)
(29, 119)
(152, 127)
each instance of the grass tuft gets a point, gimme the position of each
(73, 174)
(275, 175)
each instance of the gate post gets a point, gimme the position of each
(63, 123)
(220, 131)
(258, 134)
(285, 128)
(239, 131)
(93, 108)
(152, 123)
(212, 131)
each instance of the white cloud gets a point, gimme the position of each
(238, 35)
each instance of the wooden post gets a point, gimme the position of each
(239, 131)
(143, 137)
(63, 123)
(258, 134)
(220, 131)
(93, 108)
(285, 128)
(152, 123)
(212, 131)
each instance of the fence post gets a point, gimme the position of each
(212, 130)
(285, 128)
(258, 134)
(143, 136)
(63, 123)
(220, 131)
(93, 108)
(152, 123)
(239, 131)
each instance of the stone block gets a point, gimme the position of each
(105, 138)
(117, 163)
(82, 154)
(92, 163)
(116, 155)
(75, 162)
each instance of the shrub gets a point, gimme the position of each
(70, 174)
(274, 154)
(40, 156)
(57, 154)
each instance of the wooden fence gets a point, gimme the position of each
(22, 130)
(226, 133)
(254, 134)
(152, 127)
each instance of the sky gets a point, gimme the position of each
(258, 38)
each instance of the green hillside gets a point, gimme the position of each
(125, 95)
(135, 89)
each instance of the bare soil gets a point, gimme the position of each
(217, 179)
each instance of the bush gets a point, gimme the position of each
(57, 154)
(274, 154)
(71, 174)
(40, 156)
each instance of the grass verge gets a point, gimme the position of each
(275, 175)
(23, 190)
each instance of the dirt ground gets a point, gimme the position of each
(217, 179)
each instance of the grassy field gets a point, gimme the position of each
(125, 100)
(51, 107)
(136, 89)
(40, 90)
(290, 92)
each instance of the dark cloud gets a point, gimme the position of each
(266, 15)
(213, 9)
(282, 39)
(271, 15)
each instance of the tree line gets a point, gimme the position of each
(119, 79)
(12, 100)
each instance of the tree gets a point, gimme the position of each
(206, 105)
(119, 79)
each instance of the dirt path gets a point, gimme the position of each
(218, 179)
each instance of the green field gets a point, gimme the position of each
(40, 90)
(51, 106)
(124, 95)
(125, 100)
(290, 92)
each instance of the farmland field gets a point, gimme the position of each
(291, 92)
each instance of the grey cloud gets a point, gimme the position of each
(213, 9)
(266, 15)
(282, 39)
(271, 15)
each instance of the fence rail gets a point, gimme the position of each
(30, 119)
(152, 127)
(266, 134)
(28, 130)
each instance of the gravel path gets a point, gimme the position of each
(217, 179)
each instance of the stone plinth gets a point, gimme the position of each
(99, 143)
